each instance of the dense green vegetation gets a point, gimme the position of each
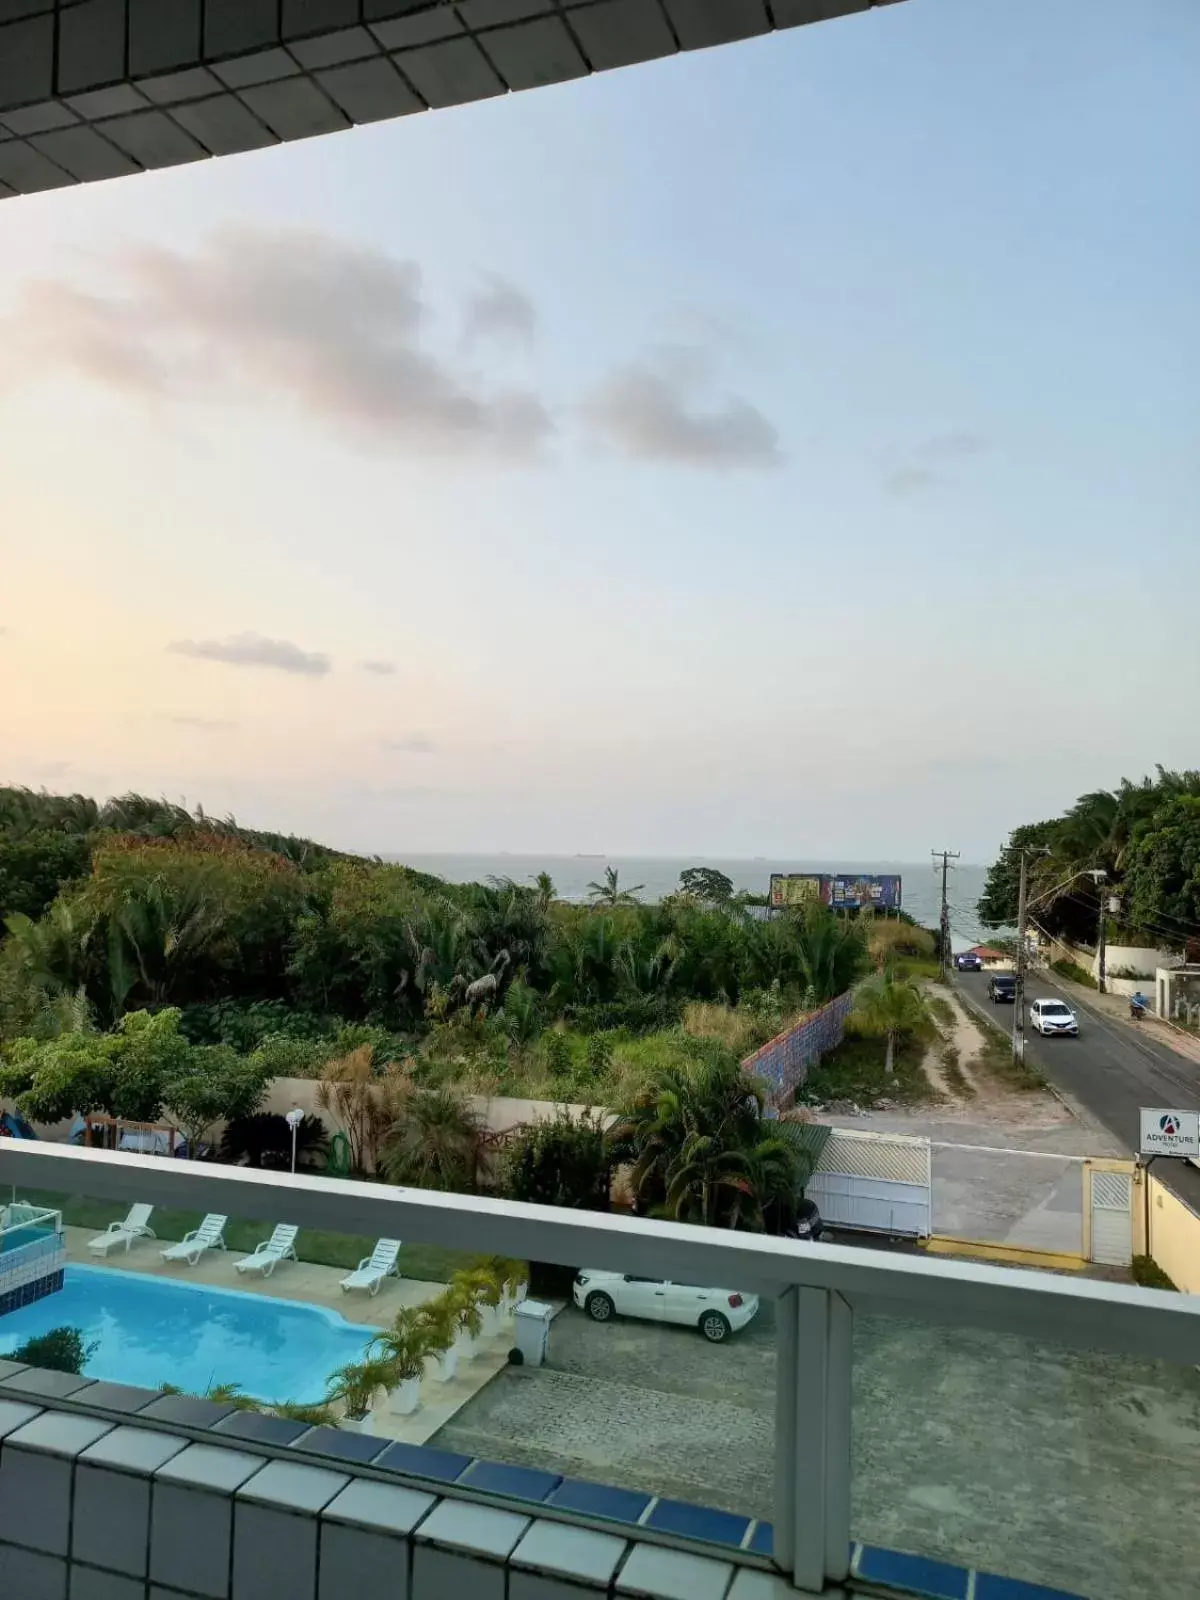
(1145, 836)
(158, 965)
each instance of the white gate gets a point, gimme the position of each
(880, 1182)
(1112, 1218)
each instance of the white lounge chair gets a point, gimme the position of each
(135, 1226)
(373, 1269)
(268, 1253)
(210, 1235)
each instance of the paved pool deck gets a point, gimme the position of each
(1059, 1467)
(320, 1286)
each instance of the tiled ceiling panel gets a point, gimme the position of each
(92, 89)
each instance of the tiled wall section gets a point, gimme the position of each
(93, 89)
(109, 1492)
(31, 1272)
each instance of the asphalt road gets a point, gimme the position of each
(1112, 1069)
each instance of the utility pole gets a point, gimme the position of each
(1018, 1033)
(947, 857)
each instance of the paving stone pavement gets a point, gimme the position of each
(1054, 1466)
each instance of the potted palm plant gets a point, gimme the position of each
(468, 1315)
(403, 1347)
(355, 1386)
(487, 1282)
(439, 1320)
(516, 1285)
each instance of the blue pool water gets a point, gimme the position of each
(150, 1331)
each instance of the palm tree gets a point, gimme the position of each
(832, 952)
(543, 886)
(700, 1147)
(892, 1007)
(434, 1143)
(610, 893)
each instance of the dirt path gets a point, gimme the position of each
(964, 1076)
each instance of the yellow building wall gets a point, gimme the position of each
(1174, 1235)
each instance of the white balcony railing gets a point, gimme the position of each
(817, 1290)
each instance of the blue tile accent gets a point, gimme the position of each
(421, 1461)
(599, 1500)
(989, 1587)
(523, 1483)
(29, 1293)
(268, 1430)
(698, 1522)
(341, 1445)
(762, 1540)
(936, 1580)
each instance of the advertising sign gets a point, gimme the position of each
(844, 891)
(881, 890)
(797, 888)
(1169, 1133)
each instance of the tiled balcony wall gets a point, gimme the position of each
(116, 1493)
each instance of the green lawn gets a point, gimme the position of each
(426, 1262)
(854, 1071)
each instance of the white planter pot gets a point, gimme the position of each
(493, 1317)
(405, 1397)
(466, 1346)
(519, 1294)
(445, 1364)
(358, 1424)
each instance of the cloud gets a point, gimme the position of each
(955, 444)
(204, 724)
(939, 450)
(500, 310)
(381, 669)
(910, 480)
(337, 330)
(253, 650)
(418, 744)
(650, 410)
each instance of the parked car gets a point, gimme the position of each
(1053, 1016)
(716, 1312)
(1002, 986)
(968, 961)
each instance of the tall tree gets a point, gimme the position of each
(610, 892)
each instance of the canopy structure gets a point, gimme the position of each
(93, 89)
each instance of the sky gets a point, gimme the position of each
(790, 448)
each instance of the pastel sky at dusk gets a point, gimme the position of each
(791, 448)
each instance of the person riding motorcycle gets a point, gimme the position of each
(1138, 1006)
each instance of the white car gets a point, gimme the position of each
(1053, 1016)
(716, 1312)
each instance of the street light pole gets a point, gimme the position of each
(1018, 1033)
(294, 1118)
(1099, 878)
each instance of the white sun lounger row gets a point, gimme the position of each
(383, 1262)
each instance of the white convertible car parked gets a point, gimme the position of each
(716, 1312)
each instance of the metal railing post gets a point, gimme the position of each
(787, 1423)
(814, 1494)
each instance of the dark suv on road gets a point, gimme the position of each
(1002, 986)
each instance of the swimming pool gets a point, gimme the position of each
(150, 1331)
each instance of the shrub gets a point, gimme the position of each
(562, 1162)
(1074, 973)
(1148, 1273)
(598, 1054)
(60, 1350)
(265, 1140)
(556, 1048)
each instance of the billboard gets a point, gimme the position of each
(848, 891)
(796, 888)
(878, 889)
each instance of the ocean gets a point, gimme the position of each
(656, 876)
